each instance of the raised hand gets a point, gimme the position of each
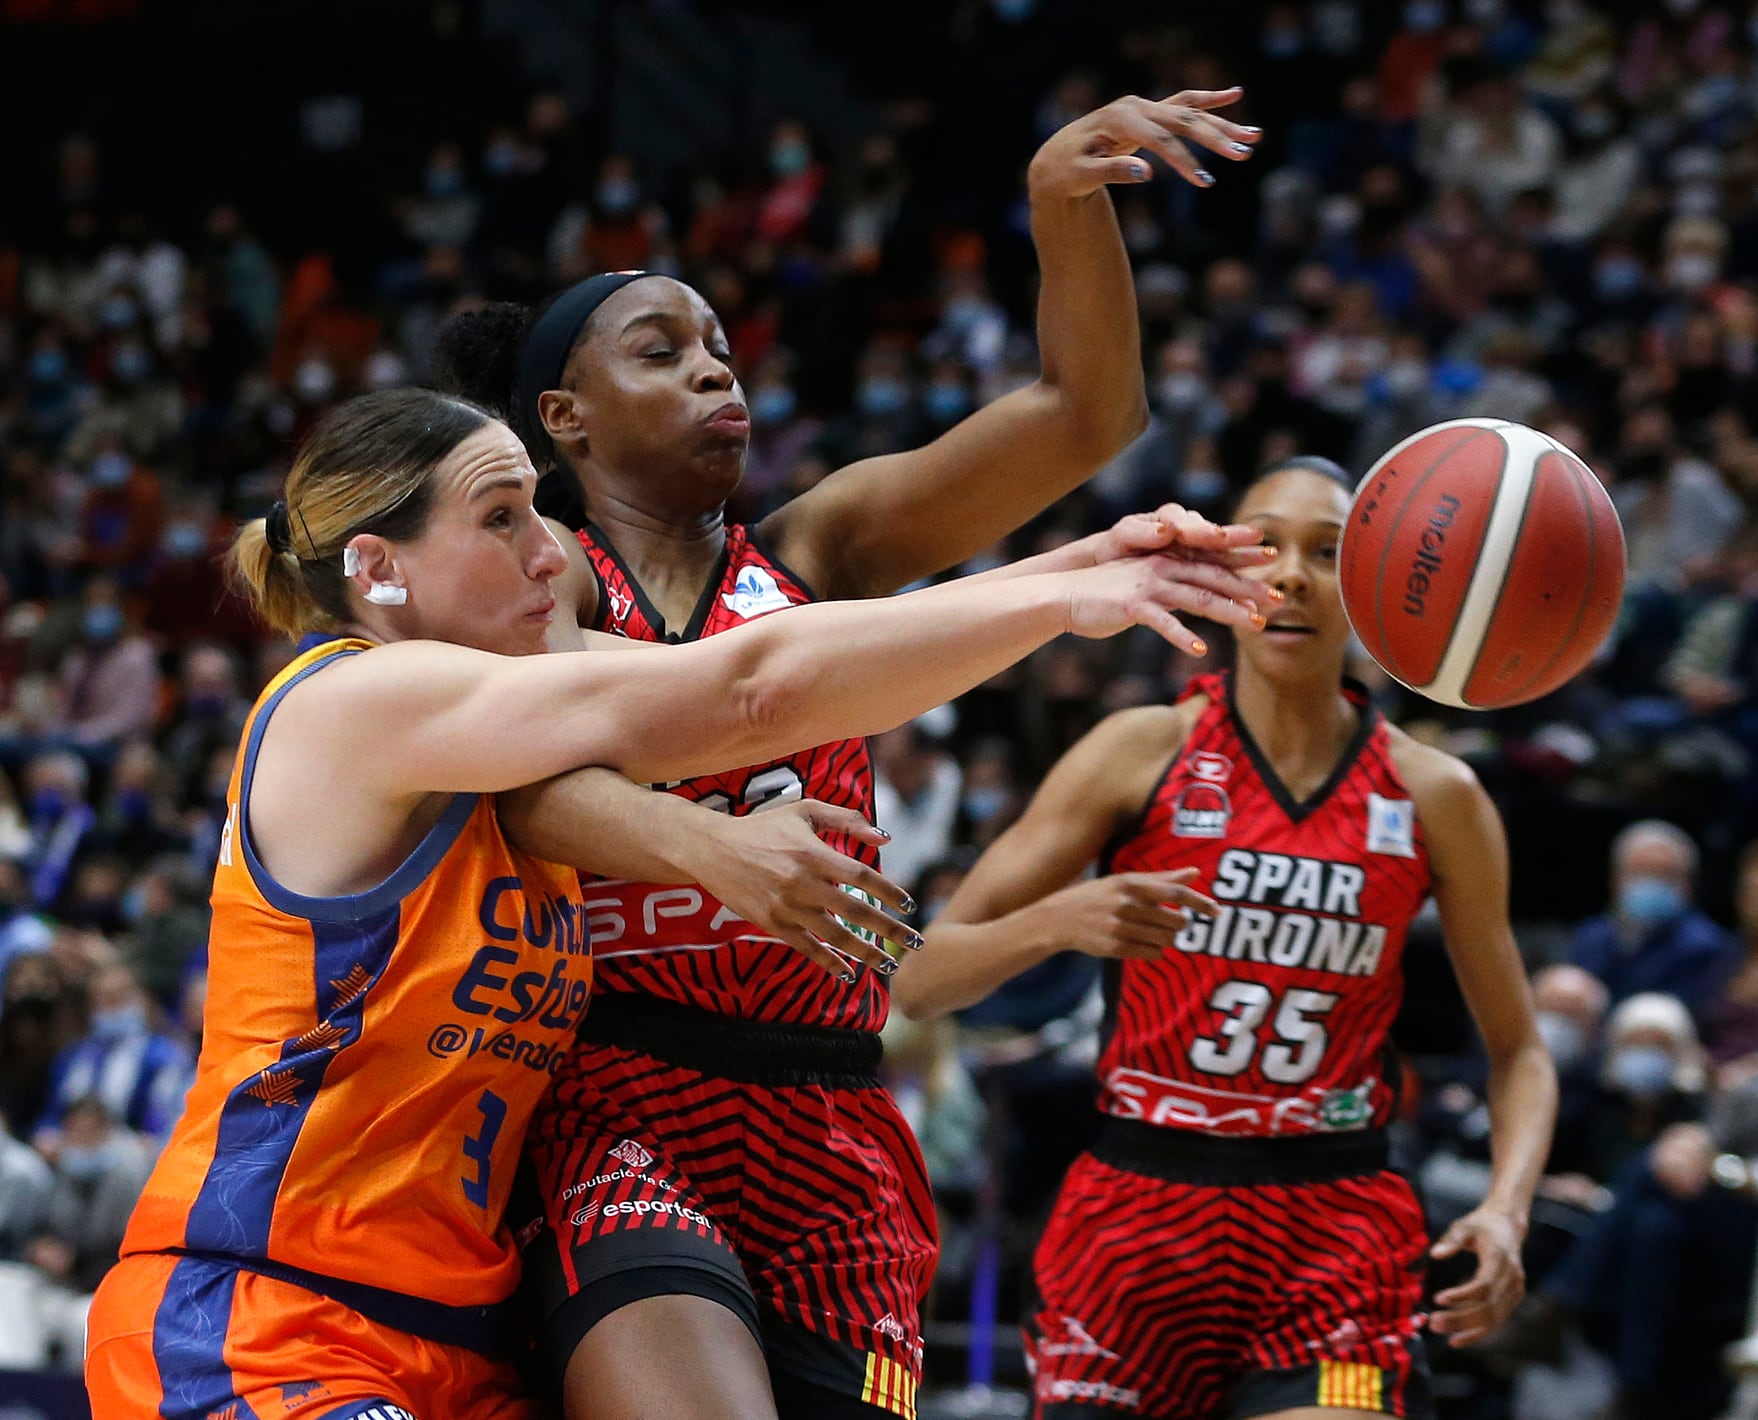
(1099, 148)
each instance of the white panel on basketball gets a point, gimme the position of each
(1501, 534)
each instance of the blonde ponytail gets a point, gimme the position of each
(274, 583)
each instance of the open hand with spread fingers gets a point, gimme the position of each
(1101, 147)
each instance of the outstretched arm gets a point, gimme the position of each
(1025, 901)
(1468, 852)
(442, 718)
(885, 522)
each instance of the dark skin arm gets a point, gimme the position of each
(1468, 854)
(885, 522)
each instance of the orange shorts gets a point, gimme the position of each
(183, 1338)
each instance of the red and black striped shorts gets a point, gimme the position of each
(761, 1166)
(1217, 1279)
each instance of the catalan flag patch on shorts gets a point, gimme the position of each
(890, 1386)
(1346, 1385)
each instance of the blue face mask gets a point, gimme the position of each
(48, 804)
(946, 404)
(85, 1165)
(185, 540)
(134, 906)
(1645, 1070)
(1617, 278)
(443, 182)
(883, 395)
(48, 367)
(617, 196)
(1651, 902)
(774, 404)
(102, 623)
(109, 470)
(119, 1023)
(134, 804)
(789, 157)
(981, 805)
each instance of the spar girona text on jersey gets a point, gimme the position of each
(1271, 1019)
(679, 942)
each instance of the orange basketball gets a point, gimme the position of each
(1482, 563)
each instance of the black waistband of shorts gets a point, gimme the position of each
(754, 1052)
(483, 1329)
(1235, 1161)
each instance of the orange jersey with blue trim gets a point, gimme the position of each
(369, 1063)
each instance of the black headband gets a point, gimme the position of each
(544, 354)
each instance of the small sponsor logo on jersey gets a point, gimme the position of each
(1206, 764)
(1076, 1341)
(1201, 810)
(295, 1392)
(754, 593)
(1347, 1109)
(630, 1153)
(620, 606)
(888, 1325)
(1391, 827)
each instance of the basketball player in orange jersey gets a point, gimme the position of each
(734, 1206)
(1234, 1245)
(392, 983)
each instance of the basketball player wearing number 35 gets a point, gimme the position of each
(1234, 1245)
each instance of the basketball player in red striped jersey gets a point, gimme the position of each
(1234, 1245)
(724, 1181)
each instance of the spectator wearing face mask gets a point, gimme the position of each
(60, 821)
(1654, 939)
(916, 795)
(1661, 1280)
(110, 682)
(1651, 1077)
(122, 518)
(99, 1172)
(139, 1075)
(1571, 1005)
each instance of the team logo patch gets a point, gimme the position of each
(1391, 827)
(1201, 810)
(630, 1153)
(1206, 764)
(620, 605)
(754, 593)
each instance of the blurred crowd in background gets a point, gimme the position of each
(1547, 212)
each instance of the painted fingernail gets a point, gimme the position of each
(1241, 148)
(847, 978)
(1140, 170)
(915, 941)
(1275, 595)
(909, 903)
(883, 834)
(1257, 620)
(888, 967)
(1248, 128)
(1199, 648)
(1270, 551)
(1204, 176)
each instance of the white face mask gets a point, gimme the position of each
(1692, 270)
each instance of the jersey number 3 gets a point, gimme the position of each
(1299, 1039)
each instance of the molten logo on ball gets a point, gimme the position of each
(1428, 556)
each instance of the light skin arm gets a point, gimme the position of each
(1468, 854)
(885, 522)
(446, 718)
(1025, 901)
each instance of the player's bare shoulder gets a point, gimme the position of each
(1440, 784)
(1122, 759)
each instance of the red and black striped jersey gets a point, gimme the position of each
(679, 942)
(1273, 1018)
